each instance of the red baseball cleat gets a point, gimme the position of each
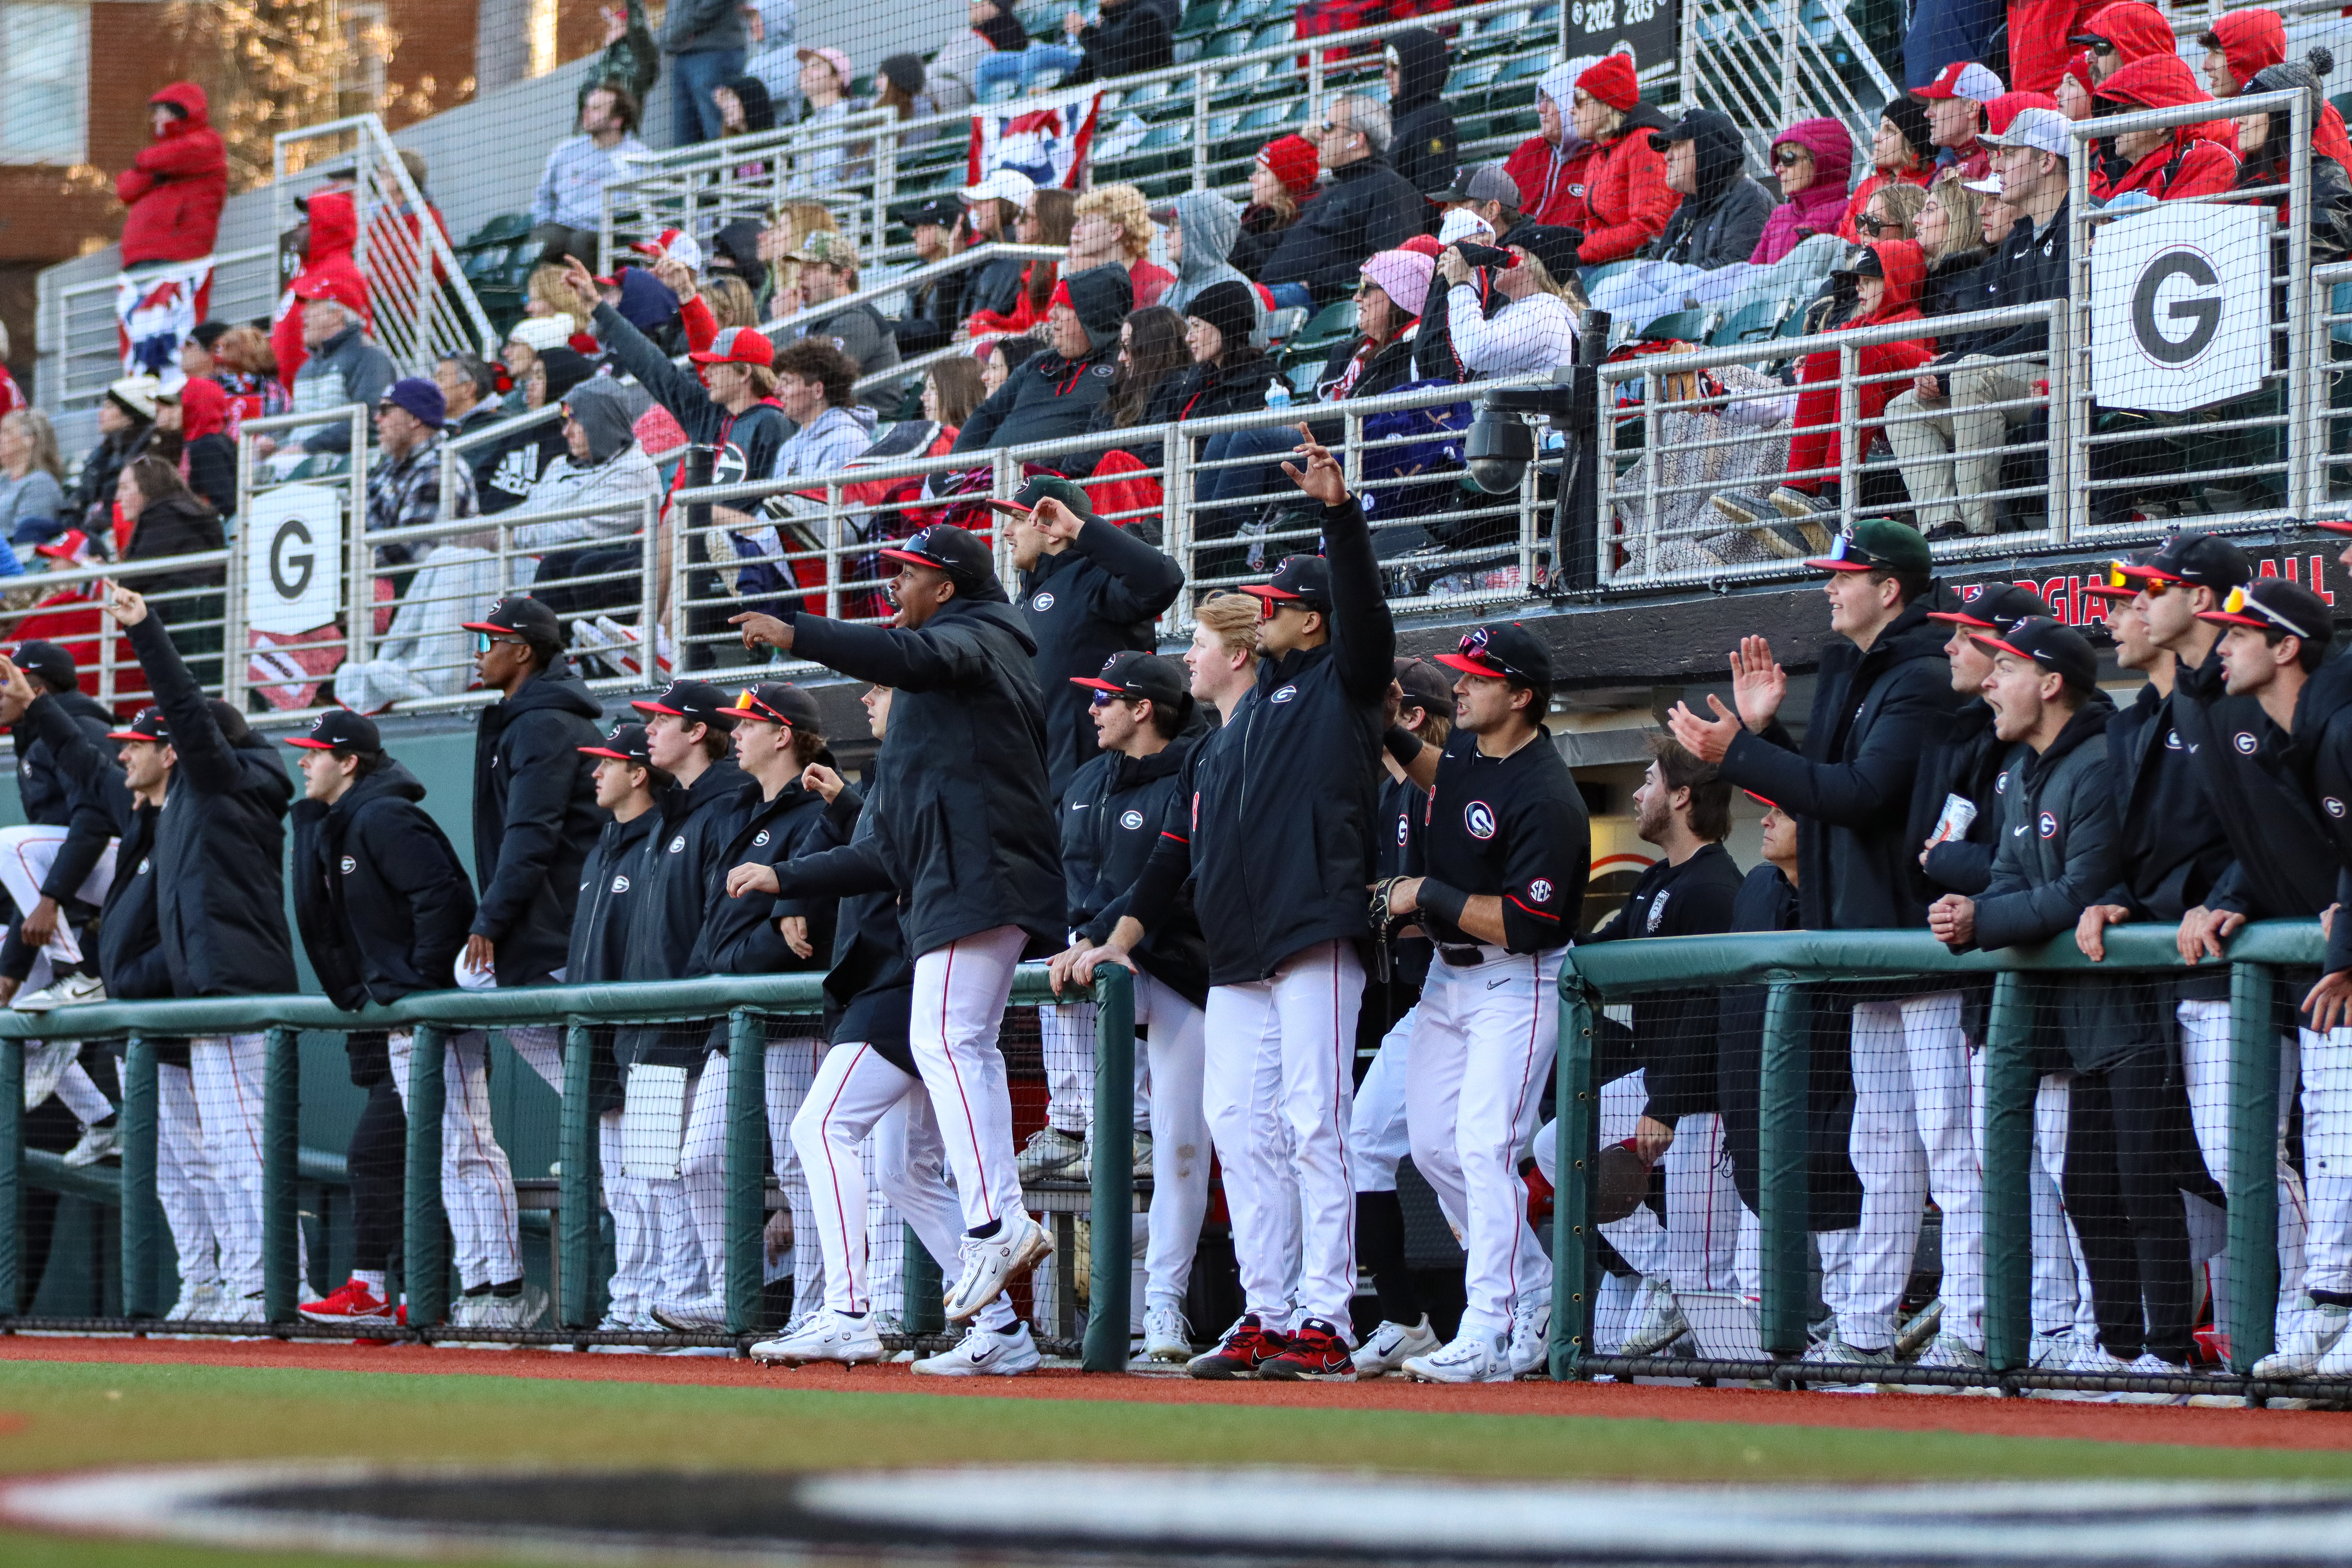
(1315, 1354)
(355, 1303)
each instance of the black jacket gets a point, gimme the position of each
(2323, 759)
(1098, 597)
(600, 923)
(1051, 397)
(1850, 787)
(380, 895)
(220, 843)
(1422, 142)
(1966, 760)
(53, 797)
(1675, 1032)
(2170, 840)
(872, 981)
(1955, 285)
(1391, 368)
(968, 837)
(739, 935)
(1112, 817)
(177, 525)
(2283, 864)
(1367, 206)
(1276, 827)
(535, 817)
(2057, 852)
(685, 867)
(2028, 268)
(747, 442)
(1718, 226)
(1261, 232)
(1132, 36)
(130, 941)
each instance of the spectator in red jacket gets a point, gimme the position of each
(2170, 161)
(330, 230)
(2120, 34)
(1626, 200)
(174, 189)
(1900, 152)
(2244, 42)
(1956, 101)
(1551, 167)
(2039, 35)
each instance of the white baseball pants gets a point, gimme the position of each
(1914, 1135)
(26, 856)
(1377, 1136)
(1180, 1146)
(637, 1263)
(790, 1066)
(1481, 1045)
(693, 1203)
(859, 1107)
(476, 1181)
(1294, 1037)
(961, 991)
(183, 1178)
(2327, 1159)
(1067, 1031)
(1696, 1247)
(540, 1046)
(2205, 1049)
(226, 1073)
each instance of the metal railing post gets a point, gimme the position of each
(580, 1192)
(12, 1178)
(359, 615)
(1849, 435)
(281, 1160)
(142, 1215)
(2255, 1090)
(1113, 1172)
(747, 1164)
(424, 1262)
(924, 1310)
(2009, 1153)
(1783, 1167)
(1575, 1252)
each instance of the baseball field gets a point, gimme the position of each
(75, 1405)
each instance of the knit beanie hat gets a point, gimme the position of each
(1403, 276)
(1294, 160)
(1612, 82)
(1230, 306)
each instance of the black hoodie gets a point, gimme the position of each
(53, 797)
(968, 836)
(685, 867)
(872, 981)
(1365, 207)
(1967, 759)
(535, 818)
(1720, 225)
(1111, 818)
(1098, 597)
(220, 842)
(1050, 397)
(600, 923)
(1421, 142)
(739, 935)
(2170, 840)
(1132, 36)
(2283, 867)
(380, 895)
(130, 941)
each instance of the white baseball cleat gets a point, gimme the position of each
(102, 1142)
(1477, 1355)
(1658, 1320)
(1392, 1344)
(1049, 1150)
(984, 1352)
(2318, 1327)
(1953, 1353)
(704, 1317)
(992, 1263)
(1531, 1338)
(197, 1303)
(826, 1336)
(1166, 1335)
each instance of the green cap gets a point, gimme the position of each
(1875, 543)
(1073, 496)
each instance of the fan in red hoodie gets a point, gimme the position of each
(2039, 31)
(1797, 518)
(2129, 32)
(2168, 162)
(174, 189)
(333, 227)
(2244, 42)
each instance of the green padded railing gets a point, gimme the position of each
(1789, 965)
(745, 1000)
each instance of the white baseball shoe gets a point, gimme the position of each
(240, 1309)
(2149, 1365)
(1531, 1338)
(703, 1317)
(197, 1303)
(1392, 1344)
(2318, 1328)
(102, 1142)
(1951, 1353)
(1658, 1320)
(1049, 1151)
(1166, 1335)
(828, 1335)
(992, 1263)
(2054, 1352)
(1475, 1356)
(520, 1311)
(984, 1352)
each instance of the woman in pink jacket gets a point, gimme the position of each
(1811, 160)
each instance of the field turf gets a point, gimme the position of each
(119, 1404)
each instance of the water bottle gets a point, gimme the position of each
(1278, 393)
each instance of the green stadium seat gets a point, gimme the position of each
(1332, 322)
(1267, 37)
(1228, 42)
(1751, 323)
(1467, 78)
(1685, 326)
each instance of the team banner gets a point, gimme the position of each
(2196, 330)
(154, 308)
(1047, 144)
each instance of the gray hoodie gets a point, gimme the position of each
(617, 471)
(1210, 224)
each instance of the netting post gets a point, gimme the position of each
(747, 1164)
(2007, 1152)
(1113, 1174)
(424, 1249)
(141, 1216)
(580, 1182)
(12, 1179)
(924, 1310)
(281, 1158)
(1783, 1167)
(1575, 1252)
(2255, 1090)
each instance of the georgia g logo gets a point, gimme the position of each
(1478, 820)
(2333, 807)
(350, 865)
(2245, 743)
(620, 884)
(759, 838)
(1284, 694)
(2000, 784)
(2049, 826)
(678, 844)
(1130, 820)
(1042, 602)
(1404, 830)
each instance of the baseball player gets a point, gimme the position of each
(967, 832)
(1507, 847)
(869, 1097)
(1111, 821)
(1277, 839)
(1377, 1138)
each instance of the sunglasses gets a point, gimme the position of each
(1871, 225)
(1474, 646)
(1789, 157)
(2121, 575)
(482, 641)
(2240, 603)
(1104, 698)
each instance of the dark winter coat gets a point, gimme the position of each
(1367, 206)
(2028, 268)
(379, 893)
(1098, 597)
(600, 923)
(2283, 866)
(1111, 818)
(2170, 840)
(130, 942)
(1720, 225)
(1422, 143)
(1955, 285)
(1051, 397)
(2057, 852)
(1967, 760)
(872, 981)
(1131, 37)
(685, 867)
(1674, 1032)
(535, 818)
(739, 935)
(176, 525)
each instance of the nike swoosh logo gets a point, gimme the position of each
(1492, 983)
(2017, 830)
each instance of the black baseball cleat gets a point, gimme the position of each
(1315, 1354)
(1244, 1348)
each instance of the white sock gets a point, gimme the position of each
(371, 1278)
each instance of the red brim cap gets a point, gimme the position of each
(911, 558)
(2150, 573)
(1761, 800)
(1469, 666)
(612, 282)
(2224, 618)
(1099, 685)
(307, 743)
(704, 356)
(2008, 647)
(658, 708)
(2334, 527)
(485, 627)
(134, 736)
(604, 751)
(1267, 591)
(2108, 591)
(1823, 563)
(1952, 617)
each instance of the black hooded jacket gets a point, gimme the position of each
(967, 838)
(52, 797)
(1111, 820)
(379, 893)
(747, 442)
(2283, 864)
(220, 842)
(1849, 785)
(1720, 225)
(1098, 597)
(2321, 760)
(1131, 37)
(1367, 206)
(739, 935)
(535, 817)
(600, 923)
(1674, 1032)
(684, 869)
(129, 939)
(2170, 840)
(1966, 760)
(1276, 822)
(1421, 140)
(1051, 397)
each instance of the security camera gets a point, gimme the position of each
(1500, 449)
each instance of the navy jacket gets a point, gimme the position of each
(379, 892)
(130, 936)
(872, 981)
(1098, 597)
(1111, 818)
(600, 925)
(1674, 1032)
(535, 815)
(684, 867)
(53, 797)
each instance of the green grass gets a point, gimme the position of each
(64, 1415)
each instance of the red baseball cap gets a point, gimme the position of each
(737, 346)
(1962, 78)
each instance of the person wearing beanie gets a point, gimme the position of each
(1226, 365)
(404, 482)
(125, 417)
(1054, 394)
(1899, 151)
(1366, 206)
(1281, 181)
(1551, 167)
(1626, 199)
(2266, 148)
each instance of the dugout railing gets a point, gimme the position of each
(2269, 965)
(745, 1001)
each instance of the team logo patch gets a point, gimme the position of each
(2334, 806)
(2000, 784)
(2245, 743)
(1103, 370)
(1657, 912)
(143, 863)
(620, 884)
(1479, 819)
(1404, 831)
(1540, 890)
(1284, 694)
(1042, 602)
(759, 838)
(2049, 826)
(678, 844)
(350, 865)
(1130, 820)
(2172, 740)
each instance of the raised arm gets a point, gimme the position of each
(931, 659)
(1363, 635)
(206, 761)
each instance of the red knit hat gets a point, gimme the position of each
(1612, 82)
(1424, 245)
(1294, 162)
